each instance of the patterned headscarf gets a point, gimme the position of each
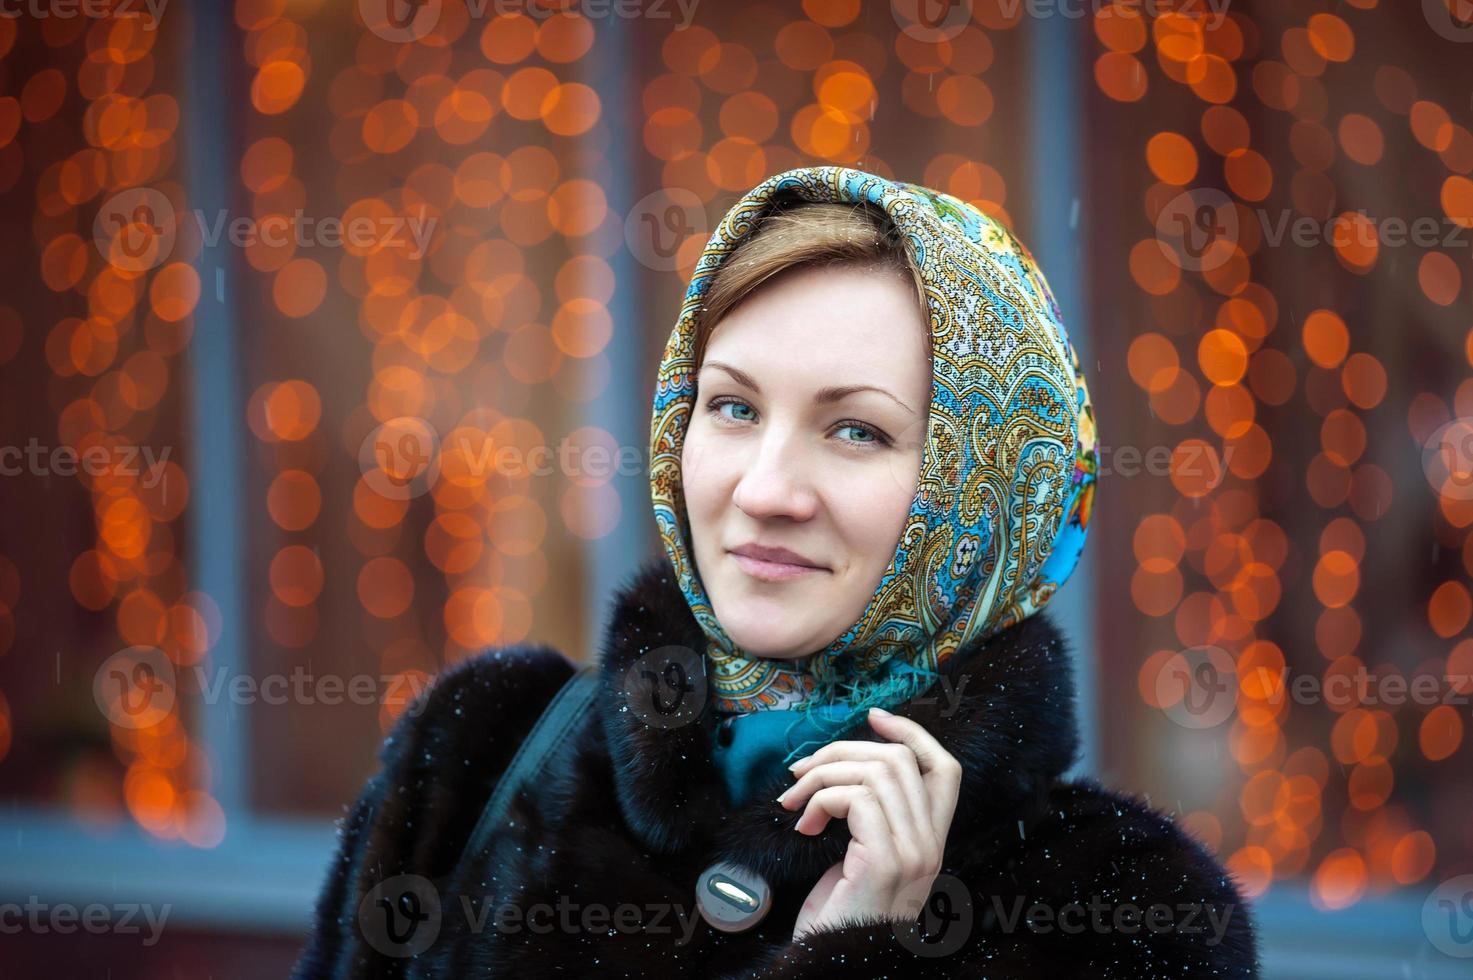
(1007, 476)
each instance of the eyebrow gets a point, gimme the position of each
(824, 396)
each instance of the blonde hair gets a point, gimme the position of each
(806, 233)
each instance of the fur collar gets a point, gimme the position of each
(1004, 708)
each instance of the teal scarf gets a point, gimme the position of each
(750, 748)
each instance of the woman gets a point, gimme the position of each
(832, 723)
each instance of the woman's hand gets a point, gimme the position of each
(898, 799)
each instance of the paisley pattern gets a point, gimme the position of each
(1008, 471)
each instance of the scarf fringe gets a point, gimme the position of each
(837, 705)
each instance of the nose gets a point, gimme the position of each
(776, 481)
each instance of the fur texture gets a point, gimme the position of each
(594, 873)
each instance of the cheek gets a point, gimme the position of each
(701, 480)
(874, 505)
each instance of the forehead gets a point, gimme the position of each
(846, 323)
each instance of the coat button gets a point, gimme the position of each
(732, 898)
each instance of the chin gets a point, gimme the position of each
(771, 648)
(751, 627)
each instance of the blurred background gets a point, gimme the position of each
(327, 344)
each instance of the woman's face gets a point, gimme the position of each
(805, 443)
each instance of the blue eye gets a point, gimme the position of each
(718, 405)
(869, 436)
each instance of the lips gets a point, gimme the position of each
(772, 554)
(772, 564)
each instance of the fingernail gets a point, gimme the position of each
(881, 712)
(794, 766)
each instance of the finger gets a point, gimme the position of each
(857, 806)
(899, 757)
(898, 764)
(897, 728)
(908, 819)
(940, 771)
(845, 773)
(839, 752)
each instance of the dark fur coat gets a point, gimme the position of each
(1042, 877)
